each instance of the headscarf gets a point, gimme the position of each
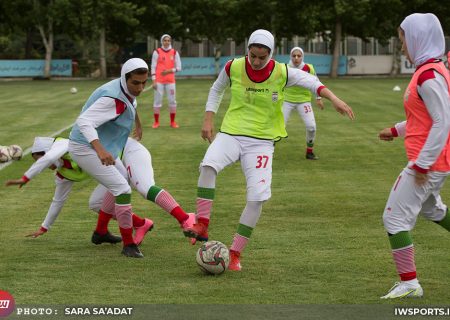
(42, 144)
(263, 37)
(161, 40)
(424, 37)
(302, 63)
(130, 65)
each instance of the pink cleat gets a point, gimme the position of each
(175, 125)
(141, 231)
(155, 125)
(188, 223)
(235, 262)
(198, 231)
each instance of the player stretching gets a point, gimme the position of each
(254, 120)
(426, 131)
(165, 62)
(300, 99)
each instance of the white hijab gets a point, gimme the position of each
(161, 40)
(263, 37)
(130, 65)
(424, 37)
(42, 144)
(302, 63)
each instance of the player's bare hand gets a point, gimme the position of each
(36, 234)
(343, 108)
(386, 134)
(137, 133)
(319, 103)
(154, 85)
(208, 134)
(15, 182)
(208, 127)
(106, 158)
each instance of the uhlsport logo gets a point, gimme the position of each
(7, 304)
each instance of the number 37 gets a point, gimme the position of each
(261, 161)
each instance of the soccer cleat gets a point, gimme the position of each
(188, 223)
(97, 238)
(235, 261)
(311, 156)
(198, 231)
(404, 290)
(132, 251)
(173, 124)
(155, 125)
(141, 231)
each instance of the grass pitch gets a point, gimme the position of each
(320, 239)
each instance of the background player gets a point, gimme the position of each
(165, 62)
(298, 98)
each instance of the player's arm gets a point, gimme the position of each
(49, 159)
(137, 134)
(319, 101)
(432, 87)
(62, 191)
(212, 105)
(303, 79)
(103, 110)
(153, 68)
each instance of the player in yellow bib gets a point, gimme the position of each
(296, 98)
(252, 123)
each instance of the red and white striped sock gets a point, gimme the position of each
(405, 263)
(204, 207)
(109, 203)
(168, 203)
(239, 243)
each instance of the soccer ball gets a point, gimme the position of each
(4, 154)
(15, 152)
(213, 257)
(73, 90)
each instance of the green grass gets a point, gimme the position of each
(320, 239)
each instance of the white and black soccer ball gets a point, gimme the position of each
(73, 90)
(4, 154)
(213, 257)
(15, 152)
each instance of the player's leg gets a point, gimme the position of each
(433, 208)
(306, 112)
(157, 103)
(171, 95)
(113, 180)
(138, 162)
(101, 233)
(287, 109)
(223, 151)
(256, 163)
(399, 218)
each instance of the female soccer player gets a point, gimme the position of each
(426, 131)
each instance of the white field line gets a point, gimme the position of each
(28, 150)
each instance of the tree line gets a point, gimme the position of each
(29, 28)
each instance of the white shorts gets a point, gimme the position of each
(304, 110)
(169, 89)
(407, 200)
(109, 176)
(256, 161)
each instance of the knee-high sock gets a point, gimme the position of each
(173, 113)
(403, 254)
(124, 217)
(102, 222)
(165, 200)
(248, 221)
(205, 194)
(445, 223)
(156, 112)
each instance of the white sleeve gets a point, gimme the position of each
(434, 93)
(303, 79)
(401, 128)
(103, 110)
(155, 56)
(62, 191)
(177, 62)
(217, 90)
(58, 149)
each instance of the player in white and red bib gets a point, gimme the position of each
(296, 98)
(165, 63)
(252, 123)
(427, 143)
